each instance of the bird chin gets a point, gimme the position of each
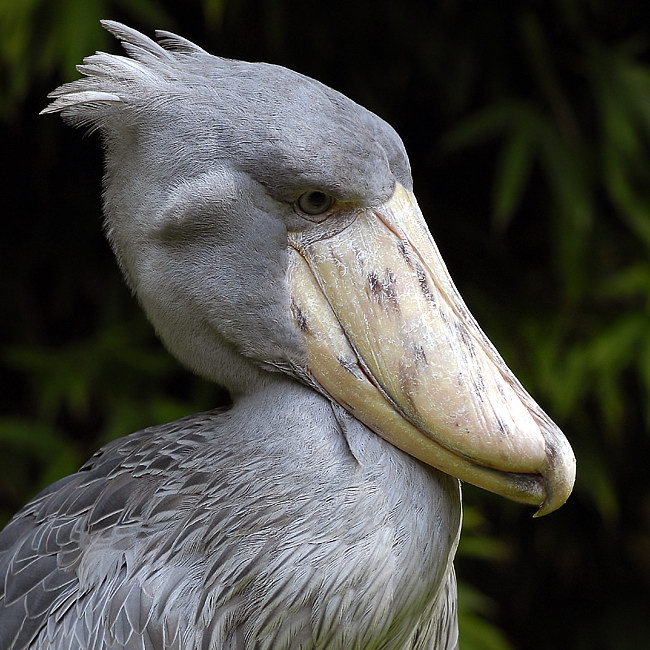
(390, 339)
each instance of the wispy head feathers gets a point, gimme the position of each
(111, 80)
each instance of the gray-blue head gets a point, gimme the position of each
(267, 223)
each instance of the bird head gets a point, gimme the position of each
(268, 224)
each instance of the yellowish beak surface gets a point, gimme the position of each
(391, 340)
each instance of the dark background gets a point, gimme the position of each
(528, 128)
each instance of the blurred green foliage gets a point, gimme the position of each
(528, 126)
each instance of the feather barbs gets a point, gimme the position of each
(111, 80)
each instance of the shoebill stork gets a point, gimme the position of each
(268, 226)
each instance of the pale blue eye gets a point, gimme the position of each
(314, 202)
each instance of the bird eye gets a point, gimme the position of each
(314, 202)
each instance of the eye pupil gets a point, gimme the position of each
(315, 202)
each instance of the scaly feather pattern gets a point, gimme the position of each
(179, 537)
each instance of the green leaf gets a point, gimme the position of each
(481, 126)
(644, 371)
(634, 208)
(570, 381)
(619, 127)
(594, 477)
(568, 181)
(29, 440)
(484, 548)
(78, 31)
(611, 352)
(475, 630)
(477, 544)
(633, 280)
(513, 171)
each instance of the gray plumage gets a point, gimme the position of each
(283, 522)
(210, 532)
